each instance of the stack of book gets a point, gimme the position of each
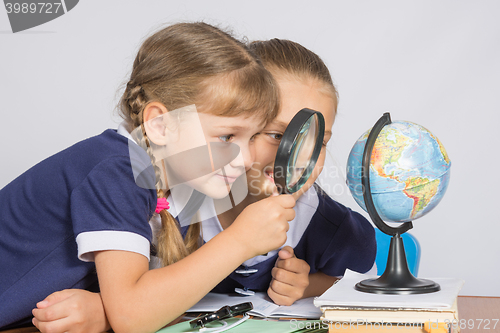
(344, 308)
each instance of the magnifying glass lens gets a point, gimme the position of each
(299, 150)
(301, 153)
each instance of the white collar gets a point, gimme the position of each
(123, 129)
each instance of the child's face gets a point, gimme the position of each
(240, 130)
(214, 151)
(295, 95)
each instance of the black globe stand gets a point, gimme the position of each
(397, 278)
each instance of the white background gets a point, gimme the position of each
(436, 63)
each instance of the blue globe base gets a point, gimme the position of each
(397, 278)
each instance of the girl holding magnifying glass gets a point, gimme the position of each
(81, 211)
(327, 237)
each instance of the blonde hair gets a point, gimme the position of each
(286, 58)
(195, 63)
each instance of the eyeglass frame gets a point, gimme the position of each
(223, 313)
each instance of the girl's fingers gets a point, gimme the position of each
(289, 249)
(290, 214)
(294, 265)
(55, 297)
(287, 201)
(281, 293)
(283, 276)
(56, 326)
(280, 287)
(277, 298)
(51, 313)
(286, 253)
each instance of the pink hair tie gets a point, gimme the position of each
(161, 204)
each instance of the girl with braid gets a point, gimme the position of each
(81, 217)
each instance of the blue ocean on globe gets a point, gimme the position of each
(409, 171)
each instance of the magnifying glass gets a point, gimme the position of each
(296, 158)
(299, 150)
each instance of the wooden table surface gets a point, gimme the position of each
(479, 314)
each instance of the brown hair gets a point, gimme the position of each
(286, 58)
(195, 63)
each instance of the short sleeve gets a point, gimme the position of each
(110, 211)
(353, 246)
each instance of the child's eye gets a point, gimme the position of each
(254, 136)
(226, 138)
(275, 136)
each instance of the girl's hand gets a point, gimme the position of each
(262, 226)
(71, 310)
(290, 278)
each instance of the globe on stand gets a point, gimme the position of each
(397, 172)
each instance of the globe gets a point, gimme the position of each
(409, 171)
